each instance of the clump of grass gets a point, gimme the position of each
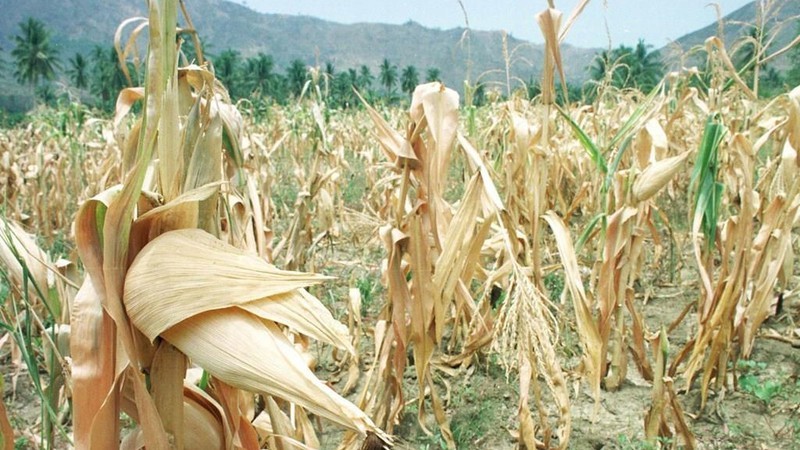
(369, 287)
(554, 283)
(755, 382)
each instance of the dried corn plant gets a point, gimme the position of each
(665, 406)
(68, 154)
(525, 335)
(34, 300)
(525, 338)
(317, 165)
(158, 296)
(754, 242)
(434, 252)
(624, 215)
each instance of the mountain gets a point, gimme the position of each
(782, 21)
(78, 25)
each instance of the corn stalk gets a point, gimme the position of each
(158, 297)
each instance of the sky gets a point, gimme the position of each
(656, 21)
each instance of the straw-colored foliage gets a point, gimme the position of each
(190, 304)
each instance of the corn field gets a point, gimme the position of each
(528, 274)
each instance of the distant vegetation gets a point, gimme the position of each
(626, 67)
(96, 78)
(503, 258)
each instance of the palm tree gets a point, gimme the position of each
(107, 77)
(365, 78)
(433, 74)
(35, 59)
(646, 67)
(388, 75)
(629, 67)
(409, 79)
(226, 67)
(329, 77)
(260, 76)
(78, 71)
(297, 75)
(600, 65)
(330, 69)
(342, 94)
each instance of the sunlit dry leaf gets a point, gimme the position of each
(127, 97)
(26, 264)
(224, 341)
(93, 371)
(656, 175)
(393, 144)
(587, 328)
(185, 272)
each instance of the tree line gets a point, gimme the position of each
(99, 75)
(257, 77)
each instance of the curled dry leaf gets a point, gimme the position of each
(18, 249)
(656, 176)
(394, 146)
(219, 304)
(185, 272)
(253, 354)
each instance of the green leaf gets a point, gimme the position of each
(587, 142)
(707, 190)
(588, 231)
(626, 129)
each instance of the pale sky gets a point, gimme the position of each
(657, 21)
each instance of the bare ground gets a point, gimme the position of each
(761, 412)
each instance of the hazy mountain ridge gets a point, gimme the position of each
(78, 25)
(737, 24)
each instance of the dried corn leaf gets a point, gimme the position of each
(204, 420)
(587, 328)
(305, 427)
(26, 264)
(89, 231)
(658, 138)
(282, 435)
(167, 371)
(185, 272)
(656, 175)
(715, 41)
(203, 424)
(303, 313)
(655, 416)
(393, 144)
(93, 371)
(576, 12)
(171, 171)
(205, 163)
(125, 100)
(6, 432)
(238, 407)
(253, 354)
(440, 107)
(527, 427)
(492, 197)
(424, 311)
(195, 195)
(549, 22)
